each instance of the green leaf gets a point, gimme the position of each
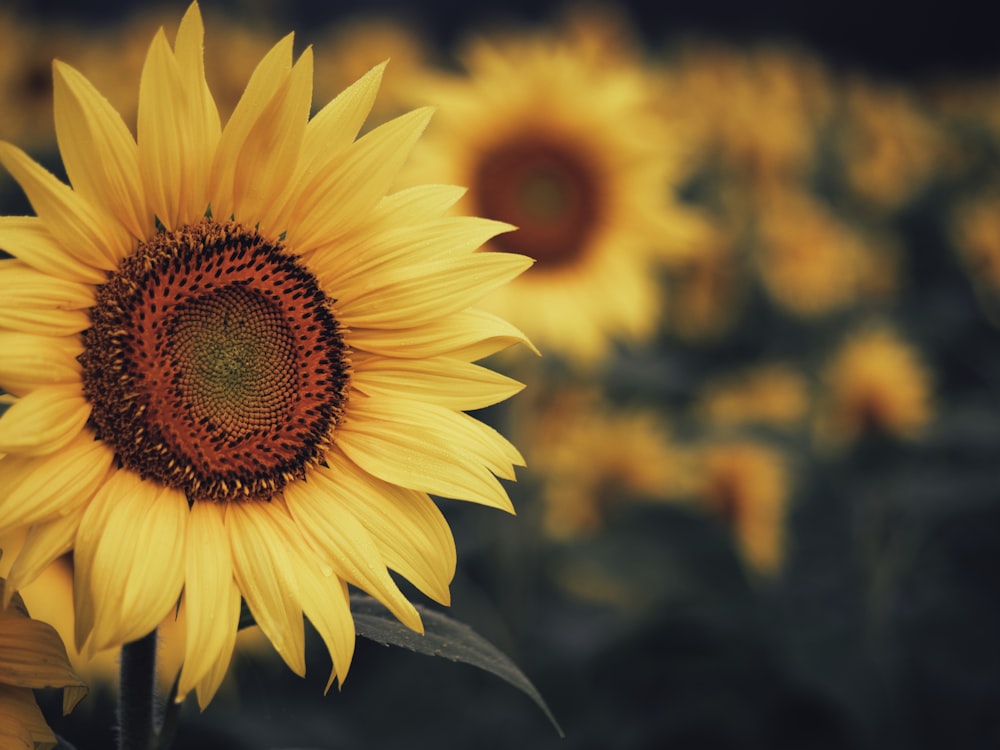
(443, 637)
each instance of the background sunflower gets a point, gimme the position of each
(766, 515)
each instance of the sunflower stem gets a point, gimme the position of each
(135, 695)
(168, 725)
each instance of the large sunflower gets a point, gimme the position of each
(239, 366)
(558, 134)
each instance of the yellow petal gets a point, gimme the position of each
(332, 129)
(164, 162)
(442, 381)
(326, 603)
(408, 528)
(397, 452)
(349, 269)
(334, 199)
(97, 149)
(228, 606)
(201, 117)
(208, 588)
(83, 230)
(346, 546)
(178, 125)
(130, 558)
(423, 293)
(35, 489)
(35, 302)
(28, 239)
(270, 152)
(31, 361)
(262, 535)
(267, 77)
(44, 421)
(45, 543)
(468, 335)
(421, 203)
(410, 207)
(337, 124)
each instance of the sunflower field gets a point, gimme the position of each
(697, 309)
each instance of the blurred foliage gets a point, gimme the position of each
(775, 522)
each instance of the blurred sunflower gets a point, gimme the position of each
(771, 394)
(875, 382)
(747, 485)
(974, 227)
(887, 143)
(350, 47)
(26, 52)
(597, 459)
(707, 292)
(32, 656)
(812, 263)
(759, 112)
(255, 405)
(558, 135)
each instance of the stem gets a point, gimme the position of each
(135, 694)
(168, 726)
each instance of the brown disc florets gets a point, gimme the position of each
(546, 188)
(214, 363)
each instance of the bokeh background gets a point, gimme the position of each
(764, 515)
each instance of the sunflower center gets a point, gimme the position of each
(546, 189)
(234, 359)
(214, 363)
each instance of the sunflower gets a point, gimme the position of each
(889, 145)
(876, 382)
(812, 263)
(598, 459)
(31, 656)
(240, 363)
(769, 394)
(747, 484)
(558, 135)
(759, 111)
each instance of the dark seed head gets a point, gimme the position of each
(203, 373)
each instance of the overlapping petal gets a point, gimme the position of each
(129, 560)
(44, 420)
(34, 302)
(211, 601)
(33, 361)
(263, 538)
(53, 485)
(84, 231)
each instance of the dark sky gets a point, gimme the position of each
(896, 37)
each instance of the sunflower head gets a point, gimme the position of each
(240, 363)
(559, 134)
(598, 459)
(812, 263)
(874, 383)
(746, 484)
(772, 394)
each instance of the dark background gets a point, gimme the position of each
(894, 37)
